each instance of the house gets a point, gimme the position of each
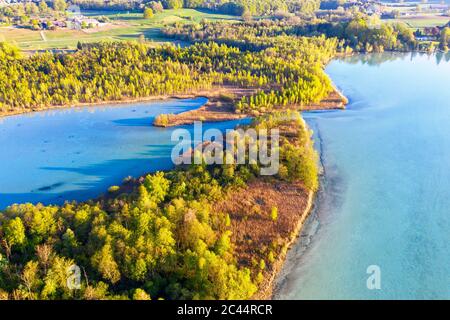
(60, 24)
(80, 22)
(373, 8)
(425, 38)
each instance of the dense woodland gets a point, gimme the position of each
(359, 34)
(161, 240)
(287, 69)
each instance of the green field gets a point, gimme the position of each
(124, 26)
(165, 17)
(422, 22)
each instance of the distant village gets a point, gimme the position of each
(385, 9)
(39, 16)
(342, 10)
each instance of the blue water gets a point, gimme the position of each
(77, 153)
(386, 190)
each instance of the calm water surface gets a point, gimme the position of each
(386, 197)
(77, 153)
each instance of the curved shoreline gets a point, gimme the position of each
(267, 287)
(221, 111)
(309, 227)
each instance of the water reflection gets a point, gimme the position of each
(376, 59)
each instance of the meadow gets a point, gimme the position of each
(421, 22)
(124, 26)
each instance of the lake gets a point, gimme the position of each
(385, 198)
(77, 153)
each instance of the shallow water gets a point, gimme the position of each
(77, 153)
(385, 197)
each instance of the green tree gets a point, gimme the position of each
(140, 294)
(445, 37)
(14, 232)
(104, 261)
(174, 4)
(274, 214)
(30, 279)
(148, 13)
(59, 5)
(35, 24)
(43, 7)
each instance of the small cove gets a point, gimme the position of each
(77, 153)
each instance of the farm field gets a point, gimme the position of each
(422, 21)
(124, 26)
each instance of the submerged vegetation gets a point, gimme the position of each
(162, 239)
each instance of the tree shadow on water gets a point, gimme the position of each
(96, 178)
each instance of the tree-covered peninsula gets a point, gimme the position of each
(197, 232)
(173, 235)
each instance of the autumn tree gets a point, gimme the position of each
(59, 5)
(148, 13)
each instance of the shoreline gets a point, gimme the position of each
(268, 192)
(219, 108)
(266, 290)
(270, 286)
(201, 93)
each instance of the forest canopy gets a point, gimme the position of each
(287, 69)
(357, 34)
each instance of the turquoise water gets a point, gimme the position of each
(386, 190)
(77, 153)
